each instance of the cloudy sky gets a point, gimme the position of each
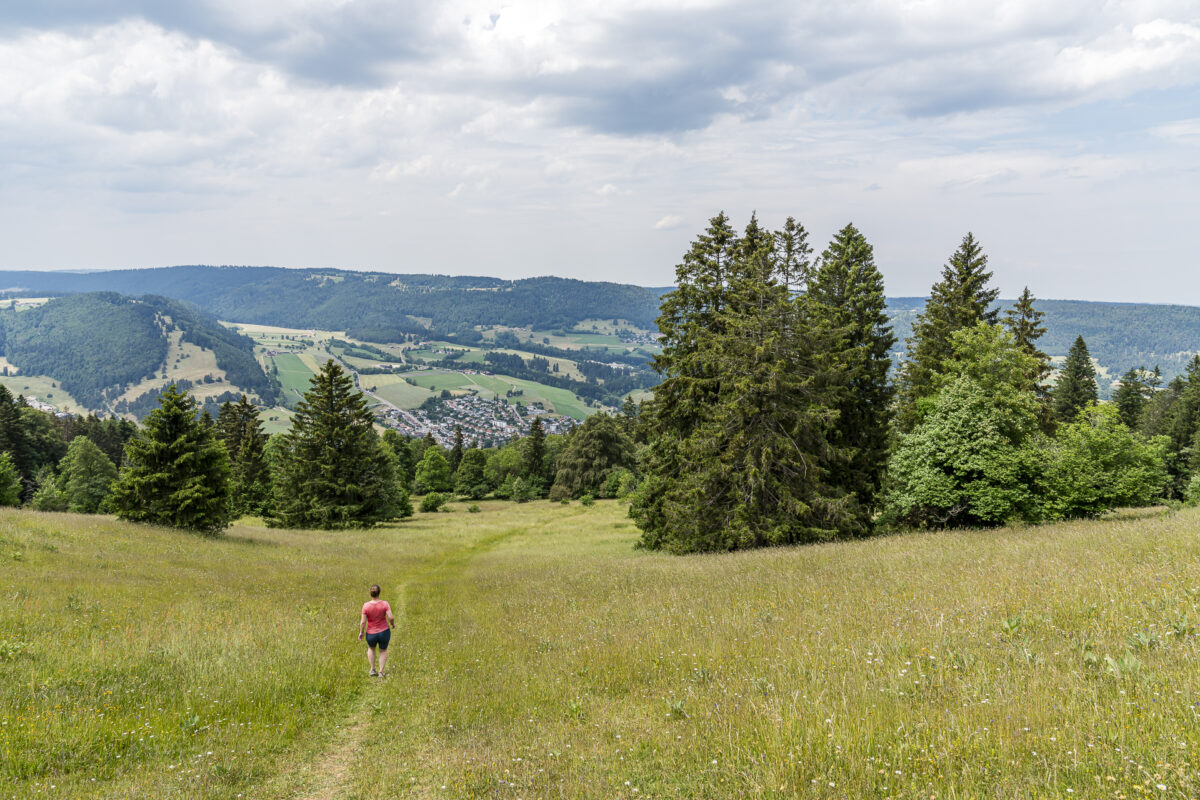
(594, 139)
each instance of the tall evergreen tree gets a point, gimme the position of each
(456, 452)
(848, 291)
(240, 429)
(176, 471)
(335, 472)
(1076, 386)
(593, 451)
(87, 476)
(961, 299)
(533, 453)
(740, 426)
(1024, 322)
(1131, 395)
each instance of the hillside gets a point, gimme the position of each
(114, 353)
(539, 655)
(375, 306)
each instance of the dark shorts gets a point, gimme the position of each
(380, 639)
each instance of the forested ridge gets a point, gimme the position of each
(95, 343)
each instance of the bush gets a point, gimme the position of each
(432, 501)
(473, 509)
(522, 491)
(587, 500)
(1191, 494)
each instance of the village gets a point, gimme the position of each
(488, 422)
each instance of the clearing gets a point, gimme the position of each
(540, 655)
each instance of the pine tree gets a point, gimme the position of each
(335, 472)
(595, 449)
(176, 471)
(848, 291)
(87, 476)
(1024, 321)
(1076, 386)
(456, 452)
(1131, 395)
(533, 454)
(241, 430)
(739, 429)
(961, 299)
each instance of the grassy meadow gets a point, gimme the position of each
(540, 655)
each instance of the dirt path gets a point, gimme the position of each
(332, 770)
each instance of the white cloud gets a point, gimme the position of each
(669, 223)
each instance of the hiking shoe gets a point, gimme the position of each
(374, 674)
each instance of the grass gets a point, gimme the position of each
(540, 655)
(42, 387)
(396, 391)
(294, 375)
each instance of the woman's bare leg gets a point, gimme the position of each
(382, 660)
(371, 657)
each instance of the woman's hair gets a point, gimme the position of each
(374, 590)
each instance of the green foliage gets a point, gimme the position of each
(49, 495)
(1024, 322)
(533, 452)
(241, 431)
(587, 500)
(969, 460)
(473, 509)
(1076, 388)
(1131, 396)
(403, 507)
(739, 431)
(334, 471)
(433, 473)
(522, 491)
(10, 482)
(594, 449)
(176, 472)
(961, 299)
(87, 476)
(619, 483)
(432, 502)
(1097, 463)
(456, 452)
(469, 479)
(503, 465)
(848, 292)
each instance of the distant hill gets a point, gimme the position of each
(112, 352)
(367, 305)
(384, 307)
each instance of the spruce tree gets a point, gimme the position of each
(1131, 395)
(87, 476)
(1024, 322)
(961, 299)
(176, 472)
(533, 454)
(240, 429)
(740, 427)
(335, 472)
(848, 292)
(456, 452)
(1076, 386)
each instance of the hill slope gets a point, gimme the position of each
(110, 351)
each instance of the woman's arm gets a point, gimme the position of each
(362, 626)
(391, 619)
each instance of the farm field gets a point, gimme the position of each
(495, 386)
(540, 655)
(294, 375)
(43, 388)
(393, 389)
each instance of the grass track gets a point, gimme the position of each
(540, 656)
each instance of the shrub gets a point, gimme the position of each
(587, 500)
(473, 509)
(432, 501)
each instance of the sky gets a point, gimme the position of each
(594, 139)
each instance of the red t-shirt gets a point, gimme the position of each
(376, 611)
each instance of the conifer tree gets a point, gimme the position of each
(1024, 322)
(1131, 395)
(176, 471)
(739, 429)
(961, 299)
(10, 482)
(533, 454)
(241, 430)
(469, 480)
(1076, 386)
(335, 472)
(87, 476)
(848, 291)
(595, 449)
(456, 452)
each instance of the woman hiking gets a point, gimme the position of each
(376, 624)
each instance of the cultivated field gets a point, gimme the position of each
(540, 655)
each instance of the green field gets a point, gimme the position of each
(473, 355)
(43, 388)
(294, 375)
(540, 655)
(398, 393)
